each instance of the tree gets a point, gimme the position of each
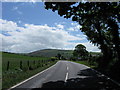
(54, 58)
(99, 21)
(59, 56)
(80, 51)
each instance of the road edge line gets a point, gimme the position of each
(31, 77)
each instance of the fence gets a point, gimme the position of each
(25, 65)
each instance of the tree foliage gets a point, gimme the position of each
(99, 21)
(80, 51)
(59, 56)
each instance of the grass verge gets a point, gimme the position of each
(91, 65)
(12, 78)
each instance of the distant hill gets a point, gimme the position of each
(52, 53)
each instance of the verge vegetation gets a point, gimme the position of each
(17, 68)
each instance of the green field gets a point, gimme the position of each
(52, 53)
(21, 67)
(15, 59)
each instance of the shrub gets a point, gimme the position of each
(54, 58)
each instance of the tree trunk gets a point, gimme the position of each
(105, 60)
(107, 53)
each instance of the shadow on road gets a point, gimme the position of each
(91, 80)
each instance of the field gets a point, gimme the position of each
(17, 67)
(15, 59)
(52, 53)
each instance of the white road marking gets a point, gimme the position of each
(66, 77)
(67, 68)
(31, 77)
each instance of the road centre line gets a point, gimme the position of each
(66, 77)
(67, 68)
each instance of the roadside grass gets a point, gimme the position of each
(12, 78)
(14, 60)
(12, 73)
(89, 64)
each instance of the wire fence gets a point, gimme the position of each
(24, 65)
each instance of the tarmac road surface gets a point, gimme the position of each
(67, 74)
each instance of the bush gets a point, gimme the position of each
(54, 58)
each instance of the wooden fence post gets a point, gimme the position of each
(41, 63)
(28, 64)
(20, 64)
(8, 64)
(34, 62)
(38, 64)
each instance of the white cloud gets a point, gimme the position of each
(33, 37)
(74, 24)
(90, 47)
(60, 26)
(78, 27)
(8, 25)
(75, 27)
(81, 36)
(71, 29)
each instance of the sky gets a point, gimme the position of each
(28, 27)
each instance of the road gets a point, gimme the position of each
(68, 74)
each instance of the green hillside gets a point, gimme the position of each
(52, 53)
(15, 59)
